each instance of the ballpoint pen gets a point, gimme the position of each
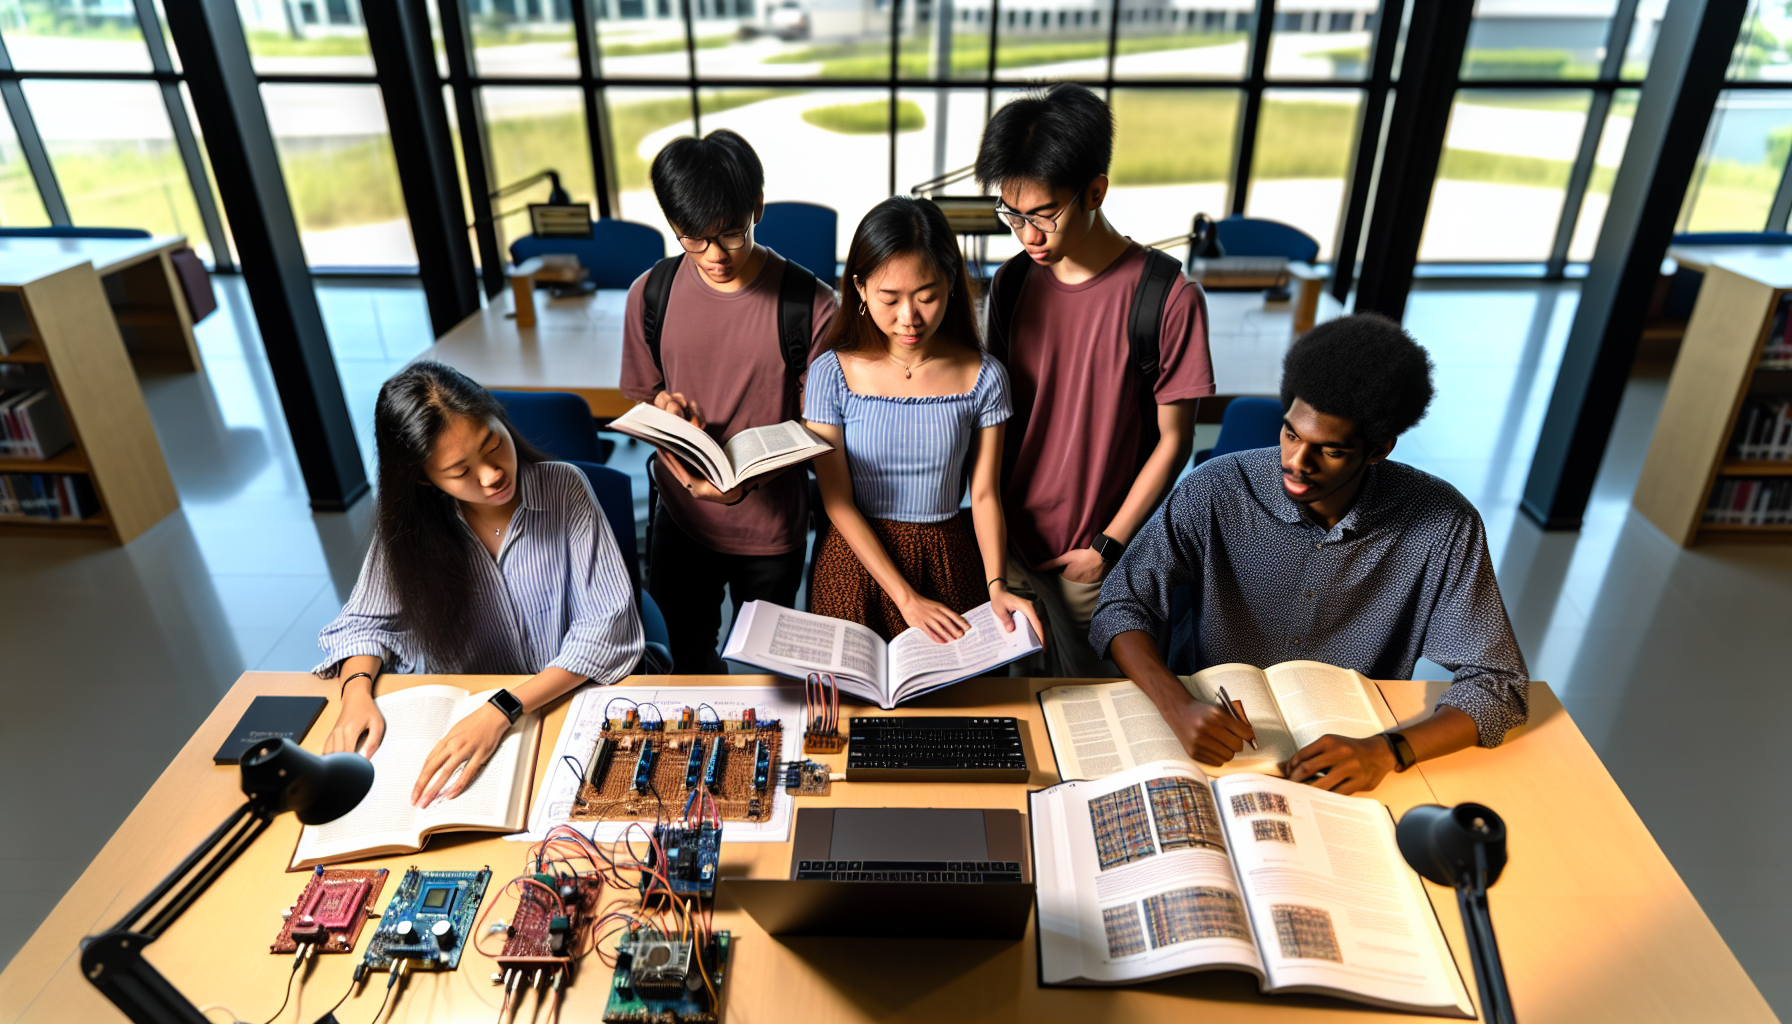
(1234, 710)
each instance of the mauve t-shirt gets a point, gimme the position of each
(1071, 377)
(721, 350)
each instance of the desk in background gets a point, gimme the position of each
(1593, 922)
(141, 287)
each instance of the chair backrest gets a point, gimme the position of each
(73, 232)
(802, 232)
(1249, 423)
(617, 252)
(1254, 236)
(617, 498)
(1733, 238)
(557, 422)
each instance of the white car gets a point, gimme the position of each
(787, 19)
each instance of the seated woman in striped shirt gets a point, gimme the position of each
(904, 393)
(487, 559)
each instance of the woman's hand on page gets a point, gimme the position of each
(471, 742)
(359, 716)
(1005, 605)
(678, 405)
(1350, 766)
(1209, 734)
(699, 487)
(933, 618)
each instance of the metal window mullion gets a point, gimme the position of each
(1113, 47)
(31, 144)
(1782, 200)
(185, 140)
(989, 73)
(1617, 39)
(1245, 148)
(1368, 146)
(457, 43)
(603, 167)
(895, 62)
(690, 60)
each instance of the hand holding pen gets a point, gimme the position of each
(1235, 708)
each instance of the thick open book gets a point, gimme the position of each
(794, 643)
(385, 823)
(1160, 870)
(1102, 728)
(753, 452)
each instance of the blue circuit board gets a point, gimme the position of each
(644, 991)
(429, 920)
(691, 858)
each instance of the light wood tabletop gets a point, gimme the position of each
(1592, 920)
(575, 345)
(1770, 264)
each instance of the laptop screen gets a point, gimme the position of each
(908, 834)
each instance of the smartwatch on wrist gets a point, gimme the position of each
(507, 705)
(1404, 757)
(1108, 548)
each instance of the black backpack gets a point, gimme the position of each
(1143, 327)
(796, 315)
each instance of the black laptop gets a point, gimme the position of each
(896, 872)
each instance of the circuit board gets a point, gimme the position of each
(330, 911)
(806, 778)
(539, 936)
(692, 855)
(650, 771)
(652, 983)
(429, 920)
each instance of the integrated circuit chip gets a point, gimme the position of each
(330, 911)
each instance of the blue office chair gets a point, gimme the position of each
(1254, 236)
(617, 498)
(803, 233)
(617, 252)
(73, 232)
(1248, 423)
(1683, 289)
(557, 422)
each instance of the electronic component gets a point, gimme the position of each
(642, 782)
(823, 733)
(694, 767)
(718, 759)
(668, 981)
(330, 911)
(806, 778)
(644, 767)
(548, 917)
(936, 749)
(429, 920)
(692, 855)
(762, 766)
(601, 754)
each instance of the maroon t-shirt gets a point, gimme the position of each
(1070, 370)
(721, 350)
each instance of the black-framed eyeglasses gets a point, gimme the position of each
(1038, 221)
(728, 240)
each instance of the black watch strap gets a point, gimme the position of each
(1404, 757)
(1108, 548)
(508, 705)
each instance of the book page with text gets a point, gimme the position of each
(1137, 883)
(1317, 699)
(658, 427)
(749, 449)
(1101, 729)
(492, 800)
(1333, 903)
(1247, 685)
(415, 720)
(795, 643)
(917, 661)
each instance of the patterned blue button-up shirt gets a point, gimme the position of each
(1405, 573)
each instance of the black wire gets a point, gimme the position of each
(613, 700)
(390, 985)
(661, 715)
(331, 1012)
(297, 962)
(712, 711)
(576, 763)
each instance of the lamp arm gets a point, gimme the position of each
(1484, 949)
(553, 177)
(941, 181)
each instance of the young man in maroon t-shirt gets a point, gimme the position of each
(1084, 478)
(725, 370)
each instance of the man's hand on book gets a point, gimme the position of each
(471, 742)
(1350, 766)
(700, 487)
(359, 716)
(1208, 733)
(678, 405)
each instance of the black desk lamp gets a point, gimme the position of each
(278, 776)
(1464, 847)
(557, 196)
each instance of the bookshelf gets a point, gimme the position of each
(1716, 372)
(54, 312)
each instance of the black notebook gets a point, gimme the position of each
(270, 718)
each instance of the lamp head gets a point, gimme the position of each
(1204, 239)
(1440, 842)
(557, 196)
(282, 776)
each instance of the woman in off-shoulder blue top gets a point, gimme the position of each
(906, 396)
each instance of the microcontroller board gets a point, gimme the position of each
(648, 769)
(429, 921)
(689, 868)
(661, 980)
(330, 911)
(549, 915)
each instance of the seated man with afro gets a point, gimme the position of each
(1325, 550)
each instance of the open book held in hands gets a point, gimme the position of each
(1161, 870)
(1102, 728)
(753, 452)
(794, 643)
(385, 823)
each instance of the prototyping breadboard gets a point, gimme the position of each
(330, 911)
(429, 921)
(648, 769)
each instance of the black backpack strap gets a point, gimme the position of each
(796, 317)
(654, 297)
(1144, 328)
(1004, 296)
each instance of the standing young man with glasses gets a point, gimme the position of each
(702, 339)
(1106, 348)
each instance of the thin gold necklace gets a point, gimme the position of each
(908, 370)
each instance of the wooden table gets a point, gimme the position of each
(575, 345)
(141, 287)
(1592, 920)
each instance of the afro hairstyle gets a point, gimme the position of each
(1363, 368)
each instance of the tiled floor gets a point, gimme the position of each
(125, 650)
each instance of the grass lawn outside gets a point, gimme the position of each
(868, 118)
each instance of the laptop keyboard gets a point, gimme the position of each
(935, 749)
(907, 871)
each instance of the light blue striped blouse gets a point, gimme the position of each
(557, 595)
(906, 454)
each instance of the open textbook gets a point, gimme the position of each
(1102, 728)
(794, 643)
(750, 453)
(1160, 870)
(385, 823)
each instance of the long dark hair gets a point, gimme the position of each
(900, 226)
(428, 552)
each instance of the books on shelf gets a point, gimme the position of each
(1750, 501)
(32, 424)
(1162, 870)
(47, 496)
(1763, 430)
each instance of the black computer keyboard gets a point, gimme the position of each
(929, 749)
